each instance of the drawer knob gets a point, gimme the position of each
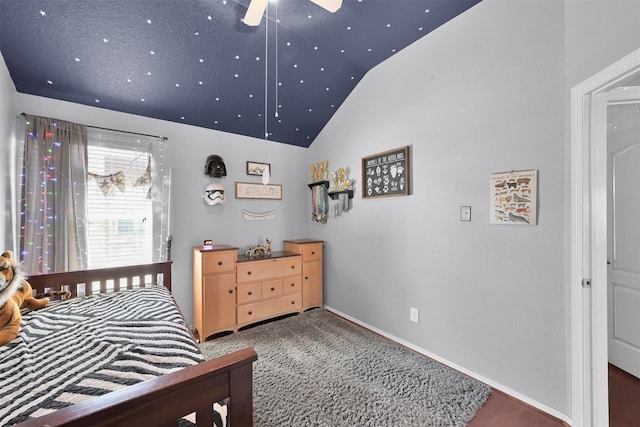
(249, 273)
(293, 284)
(293, 302)
(230, 291)
(293, 266)
(250, 292)
(250, 313)
(219, 262)
(306, 277)
(273, 289)
(313, 253)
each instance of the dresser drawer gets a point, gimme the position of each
(291, 284)
(265, 309)
(249, 293)
(268, 269)
(312, 252)
(271, 288)
(218, 262)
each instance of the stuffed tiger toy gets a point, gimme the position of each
(16, 293)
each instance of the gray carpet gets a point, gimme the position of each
(317, 369)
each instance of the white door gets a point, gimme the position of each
(623, 230)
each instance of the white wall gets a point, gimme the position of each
(482, 94)
(487, 92)
(186, 151)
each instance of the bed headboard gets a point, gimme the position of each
(104, 280)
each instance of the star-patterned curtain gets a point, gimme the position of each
(53, 234)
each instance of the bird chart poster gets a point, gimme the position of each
(514, 197)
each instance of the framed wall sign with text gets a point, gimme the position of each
(250, 190)
(386, 174)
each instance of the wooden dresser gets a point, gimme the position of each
(231, 291)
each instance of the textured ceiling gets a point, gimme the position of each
(196, 62)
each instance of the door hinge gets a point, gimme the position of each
(586, 283)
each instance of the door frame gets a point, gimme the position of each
(589, 355)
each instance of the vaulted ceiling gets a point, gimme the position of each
(196, 62)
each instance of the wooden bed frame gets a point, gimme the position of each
(161, 401)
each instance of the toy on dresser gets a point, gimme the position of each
(259, 250)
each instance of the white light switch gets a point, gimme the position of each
(465, 213)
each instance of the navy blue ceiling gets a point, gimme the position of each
(196, 62)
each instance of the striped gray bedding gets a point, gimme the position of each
(74, 350)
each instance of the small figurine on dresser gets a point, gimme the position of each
(260, 250)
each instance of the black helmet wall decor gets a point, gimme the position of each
(215, 166)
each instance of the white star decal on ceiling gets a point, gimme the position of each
(43, 13)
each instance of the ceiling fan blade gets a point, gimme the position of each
(330, 5)
(254, 12)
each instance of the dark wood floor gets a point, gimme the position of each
(502, 410)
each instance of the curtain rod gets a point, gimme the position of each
(164, 138)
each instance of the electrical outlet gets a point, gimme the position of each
(413, 314)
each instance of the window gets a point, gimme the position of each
(122, 227)
(89, 197)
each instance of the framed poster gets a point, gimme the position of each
(257, 168)
(386, 174)
(251, 190)
(513, 197)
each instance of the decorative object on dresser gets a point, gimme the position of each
(386, 174)
(259, 250)
(312, 269)
(232, 291)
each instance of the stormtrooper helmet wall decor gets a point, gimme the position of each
(215, 167)
(213, 194)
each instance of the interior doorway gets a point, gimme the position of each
(623, 230)
(589, 251)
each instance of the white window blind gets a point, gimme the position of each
(120, 213)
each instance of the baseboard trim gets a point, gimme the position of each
(493, 384)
